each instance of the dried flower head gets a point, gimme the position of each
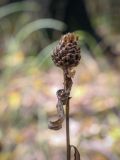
(67, 52)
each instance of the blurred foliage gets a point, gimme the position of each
(27, 91)
(105, 13)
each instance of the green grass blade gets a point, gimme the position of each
(39, 24)
(45, 54)
(17, 7)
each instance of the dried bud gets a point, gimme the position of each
(67, 52)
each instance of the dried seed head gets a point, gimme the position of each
(67, 52)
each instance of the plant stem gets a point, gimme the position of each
(67, 88)
(67, 130)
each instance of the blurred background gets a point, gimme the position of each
(29, 30)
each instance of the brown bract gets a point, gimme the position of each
(67, 52)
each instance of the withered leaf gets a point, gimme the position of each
(56, 125)
(76, 153)
(62, 96)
